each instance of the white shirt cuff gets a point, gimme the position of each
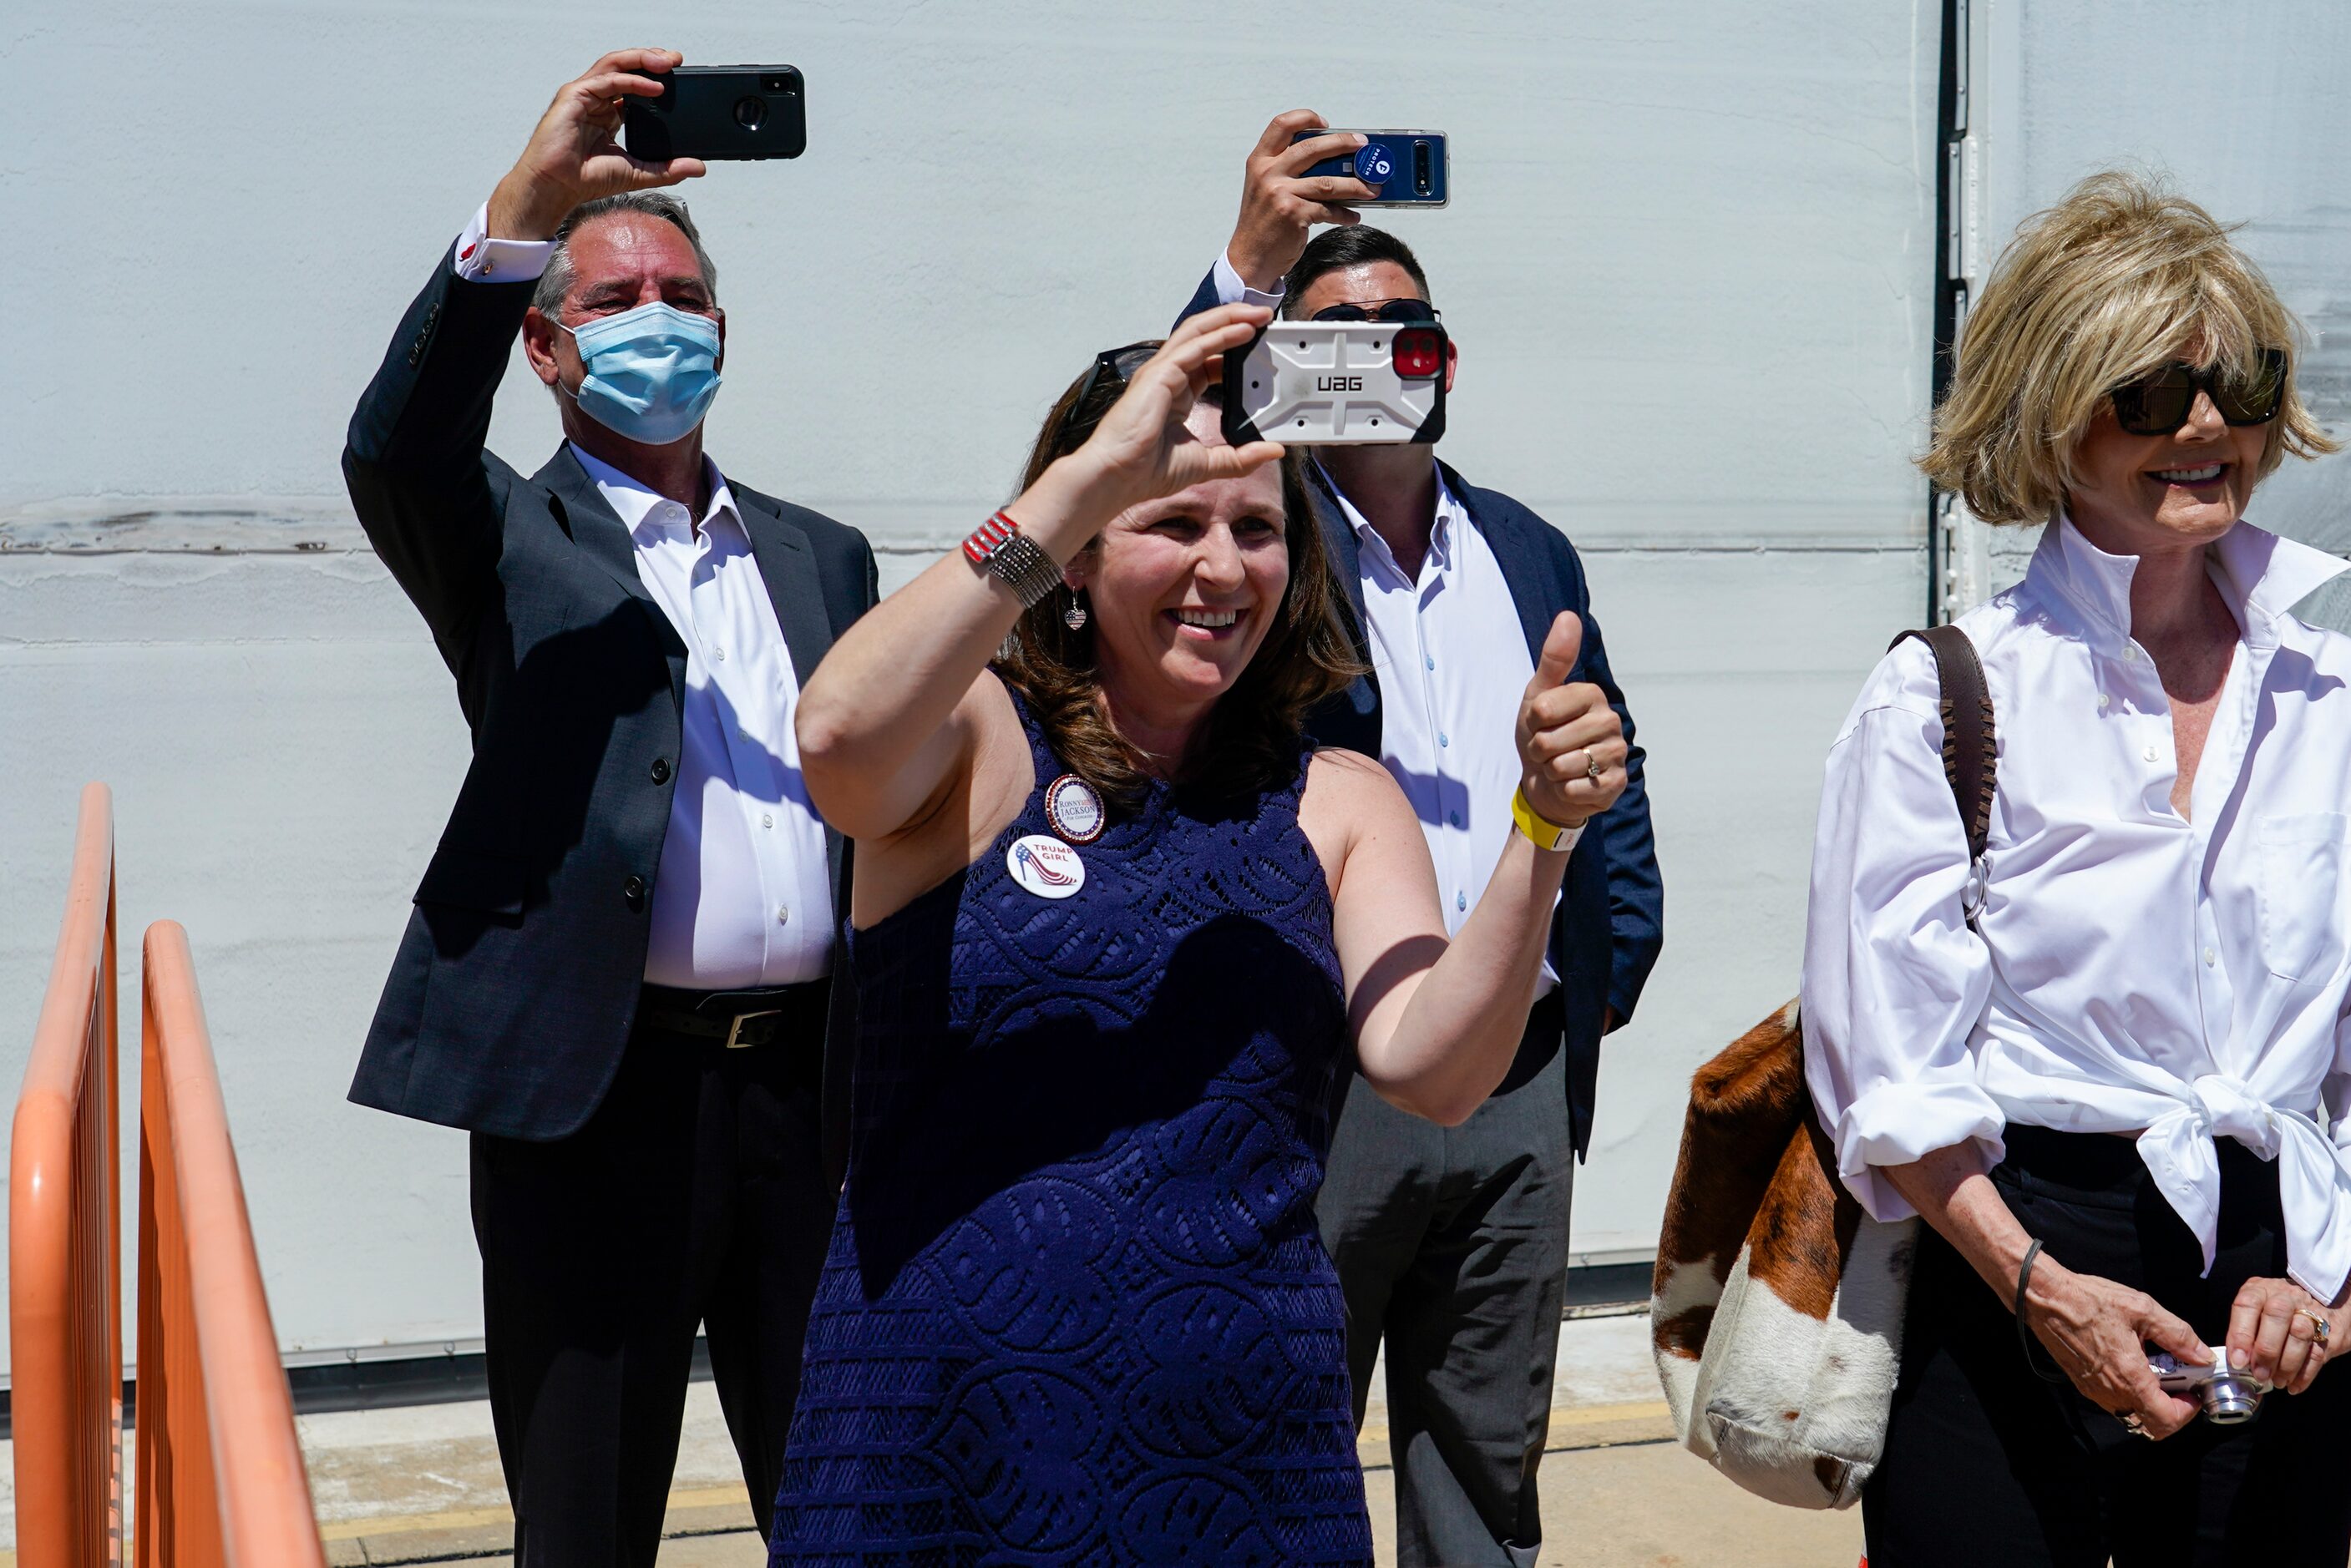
(478, 258)
(1894, 1124)
(1231, 290)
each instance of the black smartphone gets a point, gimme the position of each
(1412, 168)
(719, 112)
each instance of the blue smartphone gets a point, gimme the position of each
(1410, 166)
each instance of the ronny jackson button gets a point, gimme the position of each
(1046, 866)
(1073, 809)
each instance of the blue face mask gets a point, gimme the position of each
(651, 371)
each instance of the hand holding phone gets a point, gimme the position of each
(572, 155)
(1410, 168)
(1280, 203)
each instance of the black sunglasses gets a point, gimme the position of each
(1380, 310)
(2157, 403)
(1111, 369)
(1116, 363)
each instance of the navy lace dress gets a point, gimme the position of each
(1076, 1311)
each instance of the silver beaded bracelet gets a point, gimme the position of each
(1025, 568)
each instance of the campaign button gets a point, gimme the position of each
(1074, 810)
(1046, 866)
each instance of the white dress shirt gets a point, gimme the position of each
(2183, 979)
(1452, 664)
(479, 258)
(744, 894)
(1231, 290)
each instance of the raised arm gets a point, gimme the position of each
(1281, 205)
(889, 723)
(1435, 1024)
(413, 458)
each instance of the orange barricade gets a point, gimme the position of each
(221, 1484)
(65, 1270)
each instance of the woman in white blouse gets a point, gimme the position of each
(2131, 1068)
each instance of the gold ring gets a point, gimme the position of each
(1593, 767)
(2319, 1328)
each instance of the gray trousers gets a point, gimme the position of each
(1451, 1244)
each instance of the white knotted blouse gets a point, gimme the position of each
(2132, 971)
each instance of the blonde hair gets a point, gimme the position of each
(2117, 280)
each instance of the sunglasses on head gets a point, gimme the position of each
(2158, 403)
(1379, 310)
(1118, 364)
(1111, 369)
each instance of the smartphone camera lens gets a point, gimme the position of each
(1421, 168)
(1419, 354)
(750, 111)
(778, 83)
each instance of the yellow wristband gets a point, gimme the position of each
(1541, 834)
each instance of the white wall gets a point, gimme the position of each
(1688, 262)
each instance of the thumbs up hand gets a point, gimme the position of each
(1571, 742)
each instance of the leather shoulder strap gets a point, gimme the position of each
(1969, 757)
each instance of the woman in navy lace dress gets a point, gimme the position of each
(1115, 930)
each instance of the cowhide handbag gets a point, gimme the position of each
(1776, 1311)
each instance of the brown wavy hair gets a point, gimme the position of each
(1251, 742)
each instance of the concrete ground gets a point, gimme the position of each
(422, 1484)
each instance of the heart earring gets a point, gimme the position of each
(1074, 618)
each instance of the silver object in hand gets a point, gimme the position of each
(2227, 1395)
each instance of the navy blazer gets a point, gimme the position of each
(1610, 926)
(515, 985)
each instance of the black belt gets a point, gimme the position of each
(740, 1018)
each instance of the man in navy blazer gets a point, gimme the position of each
(1451, 1245)
(617, 972)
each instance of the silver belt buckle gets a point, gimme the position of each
(735, 1041)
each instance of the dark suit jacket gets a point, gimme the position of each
(515, 985)
(1611, 921)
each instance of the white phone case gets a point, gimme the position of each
(1331, 383)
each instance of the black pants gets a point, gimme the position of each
(1451, 1245)
(694, 1196)
(1985, 1463)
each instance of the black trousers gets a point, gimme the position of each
(1451, 1246)
(1987, 1463)
(693, 1198)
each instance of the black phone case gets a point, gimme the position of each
(720, 112)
